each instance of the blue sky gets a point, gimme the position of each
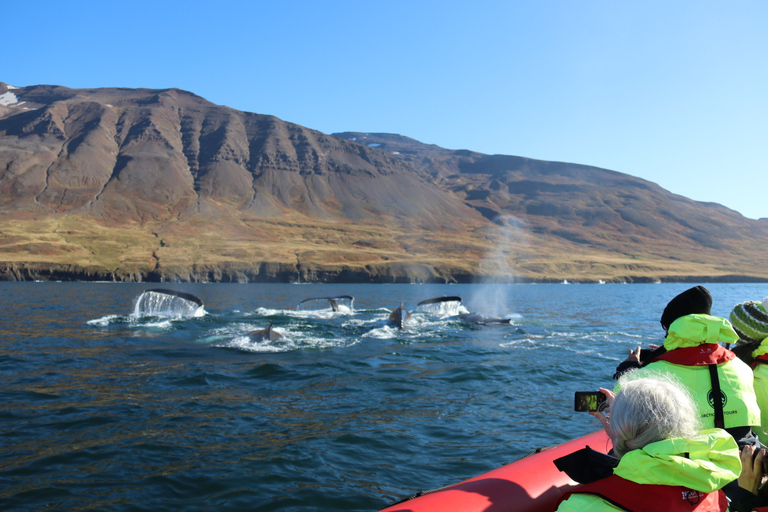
(672, 92)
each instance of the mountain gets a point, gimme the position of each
(162, 185)
(614, 213)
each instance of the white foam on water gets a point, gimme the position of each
(356, 322)
(106, 320)
(134, 322)
(530, 343)
(382, 333)
(268, 312)
(237, 338)
(248, 344)
(160, 324)
(322, 314)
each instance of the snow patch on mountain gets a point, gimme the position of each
(8, 98)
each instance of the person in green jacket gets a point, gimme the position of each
(720, 383)
(750, 321)
(665, 461)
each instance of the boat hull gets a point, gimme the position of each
(531, 484)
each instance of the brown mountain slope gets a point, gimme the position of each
(605, 210)
(135, 155)
(165, 185)
(142, 184)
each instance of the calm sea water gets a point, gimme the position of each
(104, 410)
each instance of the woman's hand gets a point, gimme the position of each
(751, 475)
(634, 355)
(604, 415)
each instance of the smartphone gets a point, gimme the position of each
(585, 401)
(644, 353)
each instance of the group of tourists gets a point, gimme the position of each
(685, 421)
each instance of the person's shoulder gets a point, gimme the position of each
(740, 365)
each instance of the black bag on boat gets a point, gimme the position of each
(587, 465)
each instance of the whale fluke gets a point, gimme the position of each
(175, 293)
(436, 300)
(333, 301)
(165, 302)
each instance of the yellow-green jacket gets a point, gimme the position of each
(740, 408)
(704, 463)
(760, 373)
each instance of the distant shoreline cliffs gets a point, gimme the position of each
(288, 275)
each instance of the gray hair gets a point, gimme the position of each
(649, 409)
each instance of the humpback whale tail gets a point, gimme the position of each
(164, 302)
(445, 306)
(438, 300)
(335, 302)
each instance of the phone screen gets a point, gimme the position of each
(585, 401)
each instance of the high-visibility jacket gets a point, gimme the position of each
(627, 495)
(673, 474)
(692, 346)
(760, 374)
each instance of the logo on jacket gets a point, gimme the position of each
(711, 398)
(693, 497)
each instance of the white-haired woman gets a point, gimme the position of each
(666, 462)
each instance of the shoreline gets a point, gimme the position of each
(15, 273)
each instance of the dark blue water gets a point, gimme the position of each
(102, 410)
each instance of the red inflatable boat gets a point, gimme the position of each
(531, 484)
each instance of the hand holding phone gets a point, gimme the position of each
(588, 401)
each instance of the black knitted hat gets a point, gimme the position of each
(696, 300)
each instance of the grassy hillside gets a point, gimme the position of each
(305, 249)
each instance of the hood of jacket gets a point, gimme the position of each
(762, 349)
(694, 330)
(703, 463)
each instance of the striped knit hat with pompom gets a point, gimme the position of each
(750, 321)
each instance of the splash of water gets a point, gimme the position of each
(448, 308)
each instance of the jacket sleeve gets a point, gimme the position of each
(741, 500)
(624, 367)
